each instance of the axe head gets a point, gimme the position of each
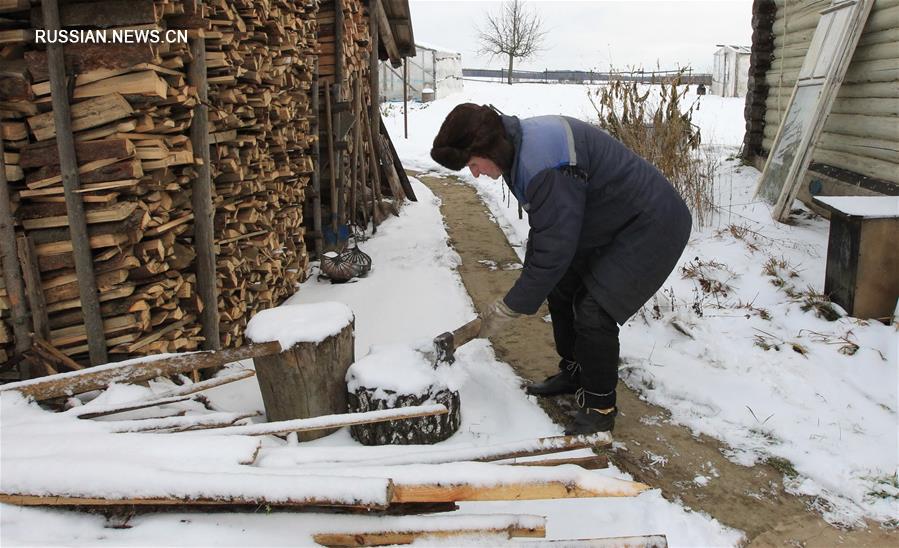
(444, 348)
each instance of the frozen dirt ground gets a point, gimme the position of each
(650, 448)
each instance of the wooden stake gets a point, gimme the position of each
(201, 200)
(373, 7)
(332, 163)
(68, 384)
(316, 171)
(68, 163)
(15, 288)
(406, 98)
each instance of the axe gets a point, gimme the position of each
(445, 344)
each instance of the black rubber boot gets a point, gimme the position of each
(566, 381)
(590, 421)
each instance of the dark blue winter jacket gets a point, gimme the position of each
(595, 206)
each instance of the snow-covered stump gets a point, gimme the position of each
(307, 379)
(398, 376)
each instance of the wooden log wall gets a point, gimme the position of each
(131, 114)
(763, 14)
(860, 134)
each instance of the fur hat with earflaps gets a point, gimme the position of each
(472, 130)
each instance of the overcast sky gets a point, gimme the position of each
(594, 34)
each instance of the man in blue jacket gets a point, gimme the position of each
(606, 230)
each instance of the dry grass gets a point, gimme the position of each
(655, 123)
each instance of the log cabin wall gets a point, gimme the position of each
(132, 110)
(858, 152)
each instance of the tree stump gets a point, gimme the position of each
(394, 378)
(308, 379)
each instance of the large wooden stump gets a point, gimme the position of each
(397, 377)
(307, 379)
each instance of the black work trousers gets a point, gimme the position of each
(586, 334)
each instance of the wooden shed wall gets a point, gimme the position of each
(861, 135)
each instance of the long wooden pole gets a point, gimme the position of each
(373, 7)
(406, 98)
(68, 165)
(15, 288)
(332, 162)
(201, 199)
(337, 123)
(31, 274)
(316, 166)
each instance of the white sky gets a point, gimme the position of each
(594, 34)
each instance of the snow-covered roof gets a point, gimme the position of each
(739, 49)
(434, 47)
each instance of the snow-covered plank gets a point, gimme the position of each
(92, 411)
(177, 424)
(135, 370)
(330, 421)
(503, 526)
(473, 481)
(484, 453)
(588, 463)
(207, 384)
(223, 488)
(646, 541)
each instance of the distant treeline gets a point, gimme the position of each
(643, 77)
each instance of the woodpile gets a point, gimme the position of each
(132, 109)
(260, 60)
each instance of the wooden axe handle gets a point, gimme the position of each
(466, 333)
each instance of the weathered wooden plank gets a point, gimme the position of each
(448, 492)
(535, 527)
(131, 372)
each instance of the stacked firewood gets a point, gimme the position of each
(260, 60)
(131, 115)
(135, 162)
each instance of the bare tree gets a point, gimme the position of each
(515, 32)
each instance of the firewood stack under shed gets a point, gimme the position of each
(132, 106)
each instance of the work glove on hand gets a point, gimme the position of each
(495, 319)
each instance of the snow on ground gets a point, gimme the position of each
(411, 294)
(737, 374)
(733, 348)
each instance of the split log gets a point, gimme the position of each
(68, 384)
